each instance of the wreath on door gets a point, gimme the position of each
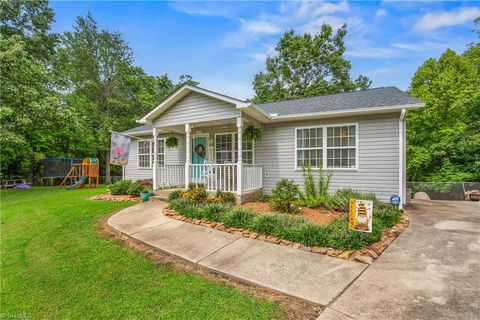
(200, 150)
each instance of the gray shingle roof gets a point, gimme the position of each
(371, 98)
(145, 127)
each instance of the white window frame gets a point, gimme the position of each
(325, 147)
(234, 146)
(144, 154)
(150, 153)
(162, 141)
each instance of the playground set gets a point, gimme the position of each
(82, 174)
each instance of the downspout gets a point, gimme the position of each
(402, 156)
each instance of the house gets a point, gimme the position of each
(359, 136)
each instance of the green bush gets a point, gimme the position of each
(135, 188)
(226, 197)
(214, 211)
(284, 196)
(174, 195)
(196, 193)
(120, 187)
(263, 198)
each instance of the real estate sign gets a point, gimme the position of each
(360, 215)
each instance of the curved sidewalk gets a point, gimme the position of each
(311, 277)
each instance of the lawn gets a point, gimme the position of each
(54, 264)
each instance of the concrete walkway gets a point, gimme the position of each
(312, 277)
(432, 271)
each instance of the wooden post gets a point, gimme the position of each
(239, 155)
(188, 155)
(155, 156)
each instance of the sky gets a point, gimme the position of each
(224, 44)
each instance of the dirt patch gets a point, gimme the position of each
(292, 308)
(111, 197)
(318, 216)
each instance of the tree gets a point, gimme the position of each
(306, 65)
(444, 137)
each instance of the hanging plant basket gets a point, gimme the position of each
(252, 134)
(171, 142)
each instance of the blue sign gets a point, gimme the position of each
(394, 199)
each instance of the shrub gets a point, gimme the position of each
(214, 211)
(196, 193)
(263, 198)
(284, 196)
(135, 188)
(174, 195)
(226, 197)
(146, 182)
(120, 187)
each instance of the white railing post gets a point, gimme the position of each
(188, 155)
(154, 166)
(239, 156)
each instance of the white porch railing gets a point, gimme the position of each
(252, 177)
(215, 176)
(171, 175)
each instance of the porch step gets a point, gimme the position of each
(158, 198)
(162, 194)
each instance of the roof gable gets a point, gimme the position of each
(182, 92)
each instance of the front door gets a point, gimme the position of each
(199, 154)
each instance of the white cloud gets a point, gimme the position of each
(322, 8)
(435, 20)
(380, 13)
(260, 27)
(201, 9)
(379, 71)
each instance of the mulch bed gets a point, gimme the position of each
(366, 255)
(293, 308)
(318, 216)
(111, 197)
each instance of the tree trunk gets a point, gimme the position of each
(108, 179)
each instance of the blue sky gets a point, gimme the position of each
(223, 44)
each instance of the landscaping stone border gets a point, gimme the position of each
(111, 197)
(366, 255)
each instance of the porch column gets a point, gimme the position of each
(239, 155)
(154, 166)
(187, 154)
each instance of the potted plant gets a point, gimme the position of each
(171, 142)
(146, 193)
(252, 134)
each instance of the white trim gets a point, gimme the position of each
(325, 147)
(183, 91)
(401, 157)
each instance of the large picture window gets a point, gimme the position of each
(145, 153)
(327, 147)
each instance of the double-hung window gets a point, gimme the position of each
(341, 146)
(327, 147)
(145, 153)
(309, 147)
(226, 149)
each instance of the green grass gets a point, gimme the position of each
(55, 265)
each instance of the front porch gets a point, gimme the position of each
(212, 153)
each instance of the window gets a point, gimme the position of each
(327, 147)
(226, 149)
(341, 146)
(309, 147)
(223, 148)
(145, 153)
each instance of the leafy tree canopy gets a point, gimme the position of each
(444, 137)
(307, 65)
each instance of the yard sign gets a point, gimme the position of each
(360, 216)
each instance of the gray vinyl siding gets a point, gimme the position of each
(378, 155)
(194, 108)
(172, 156)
